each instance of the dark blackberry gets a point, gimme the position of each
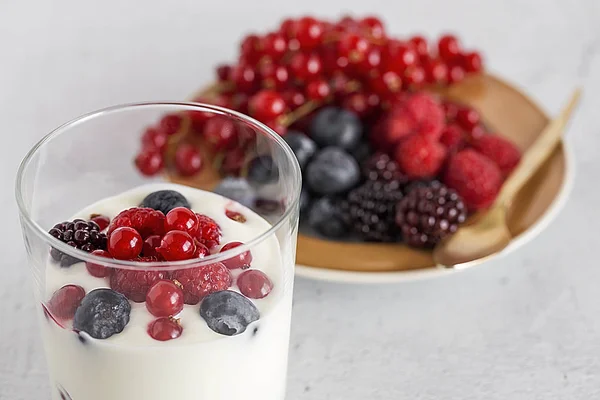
(84, 235)
(370, 210)
(380, 167)
(429, 213)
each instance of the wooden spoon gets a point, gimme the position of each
(490, 234)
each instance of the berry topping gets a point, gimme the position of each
(164, 329)
(176, 246)
(97, 270)
(102, 313)
(146, 221)
(325, 217)
(332, 171)
(80, 234)
(187, 160)
(135, 284)
(64, 301)
(420, 157)
(235, 216)
(254, 284)
(262, 170)
(201, 281)
(236, 189)
(209, 233)
(101, 220)
(380, 167)
(336, 127)
(164, 299)
(228, 313)
(500, 150)
(476, 178)
(201, 250)
(165, 200)
(242, 260)
(125, 243)
(302, 146)
(429, 213)
(182, 219)
(150, 245)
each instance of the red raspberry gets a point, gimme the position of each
(476, 178)
(420, 157)
(500, 150)
(209, 232)
(135, 284)
(146, 221)
(201, 281)
(453, 137)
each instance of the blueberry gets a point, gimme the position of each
(102, 313)
(362, 152)
(303, 147)
(228, 313)
(236, 189)
(262, 170)
(304, 202)
(325, 217)
(334, 126)
(332, 171)
(165, 201)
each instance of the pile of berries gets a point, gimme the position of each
(162, 228)
(283, 75)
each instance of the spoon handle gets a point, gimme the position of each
(539, 152)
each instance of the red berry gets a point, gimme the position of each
(150, 245)
(254, 284)
(374, 26)
(187, 160)
(201, 281)
(182, 219)
(318, 90)
(154, 139)
(476, 132)
(149, 162)
(250, 49)
(135, 284)
(476, 178)
(245, 78)
(274, 45)
(235, 216)
(419, 45)
(371, 63)
(353, 47)
(471, 62)
(436, 72)
(266, 105)
(176, 246)
(305, 66)
(144, 220)
(293, 98)
(448, 47)
(97, 270)
(274, 76)
(164, 329)
(221, 132)
(450, 110)
(467, 118)
(288, 28)
(398, 56)
(64, 301)
(198, 118)
(420, 157)
(101, 220)
(201, 250)
(234, 161)
(170, 124)
(500, 150)
(164, 299)
(453, 137)
(209, 232)
(242, 260)
(419, 114)
(414, 77)
(223, 72)
(125, 243)
(309, 32)
(276, 126)
(357, 103)
(386, 82)
(456, 73)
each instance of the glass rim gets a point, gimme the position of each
(164, 265)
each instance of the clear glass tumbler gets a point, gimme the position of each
(104, 320)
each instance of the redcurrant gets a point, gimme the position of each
(149, 162)
(254, 284)
(164, 329)
(187, 160)
(266, 105)
(98, 270)
(242, 260)
(177, 245)
(182, 219)
(125, 243)
(164, 299)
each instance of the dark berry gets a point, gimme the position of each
(102, 313)
(228, 313)
(381, 167)
(332, 171)
(303, 147)
(164, 299)
(262, 170)
(125, 243)
(80, 234)
(236, 189)
(326, 218)
(362, 152)
(304, 202)
(176, 246)
(165, 201)
(64, 301)
(254, 284)
(334, 126)
(164, 329)
(242, 260)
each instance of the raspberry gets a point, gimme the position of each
(476, 178)
(135, 284)
(146, 221)
(209, 232)
(420, 157)
(500, 150)
(201, 281)
(453, 138)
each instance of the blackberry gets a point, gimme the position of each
(380, 167)
(428, 213)
(83, 235)
(370, 210)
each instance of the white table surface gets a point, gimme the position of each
(526, 327)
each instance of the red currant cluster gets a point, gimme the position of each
(285, 74)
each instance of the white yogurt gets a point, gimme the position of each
(199, 365)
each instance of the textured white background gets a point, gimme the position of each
(527, 327)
